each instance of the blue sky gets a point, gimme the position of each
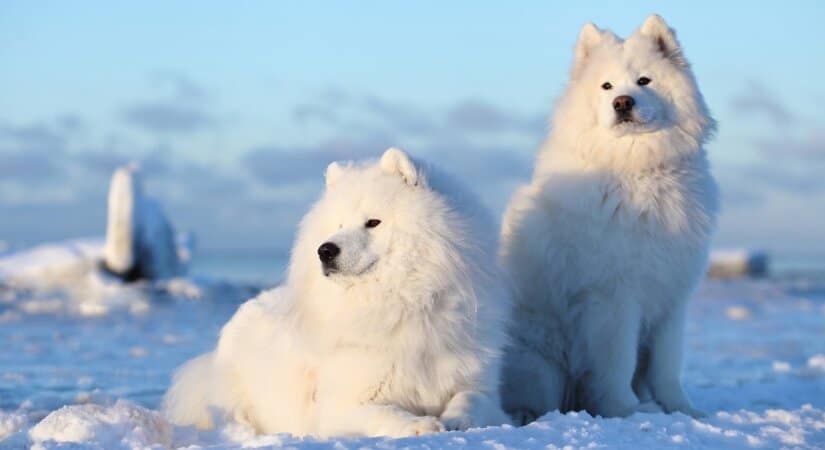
(234, 110)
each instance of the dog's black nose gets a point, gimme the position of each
(328, 251)
(623, 103)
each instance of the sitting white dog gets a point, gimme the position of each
(391, 320)
(611, 237)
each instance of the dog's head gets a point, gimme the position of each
(639, 85)
(379, 224)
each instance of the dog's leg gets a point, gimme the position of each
(664, 371)
(641, 386)
(473, 409)
(377, 420)
(610, 336)
(531, 386)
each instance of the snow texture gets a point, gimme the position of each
(86, 368)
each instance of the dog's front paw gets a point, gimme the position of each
(458, 422)
(422, 425)
(465, 421)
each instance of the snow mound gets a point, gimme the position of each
(128, 426)
(121, 426)
(11, 423)
(63, 262)
(51, 263)
(62, 278)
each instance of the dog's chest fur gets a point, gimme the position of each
(669, 205)
(420, 364)
(637, 228)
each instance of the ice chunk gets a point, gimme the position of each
(121, 225)
(737, 263)
(140, 240)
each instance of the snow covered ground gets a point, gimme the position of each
(85, 367)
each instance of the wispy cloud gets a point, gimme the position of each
(758, 99)
(279, 166)
(32, 153)
(473, 138)
(788, 157)
(479, 116)
(184, 108)
(260, 194)
(167, 117)
(807, 146)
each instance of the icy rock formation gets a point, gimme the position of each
(140, 241)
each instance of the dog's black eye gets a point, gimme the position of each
(643, 81)
(607, 86)
(372, 223)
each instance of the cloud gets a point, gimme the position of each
(789, 161)
(486, 146)
(371, 112)
(183, 110)
(789, 147)
(33, 167)
(788, 158)
(787, 178)
(49, 170)
(206, 183)
(737, 195)
(400, 117)
(305, 113)
(278, 166)
(167, 117)
(325, 107)
(182, 87)
(259, 197)
(759, 100)
(31, 153)
(32, 137)
(480, 116)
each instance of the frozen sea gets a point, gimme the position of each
(85, 364)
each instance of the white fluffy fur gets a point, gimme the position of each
(403, 339)
(611, 236)
(140, 240)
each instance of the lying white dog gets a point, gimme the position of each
(391, 320)
(611, 237)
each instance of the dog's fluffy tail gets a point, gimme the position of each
(190, 396)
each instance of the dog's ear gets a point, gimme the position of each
(395, 161)
(664, 38)
(334, 171)
(589, 37)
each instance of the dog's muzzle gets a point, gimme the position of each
(623, 105)
(328, 254)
